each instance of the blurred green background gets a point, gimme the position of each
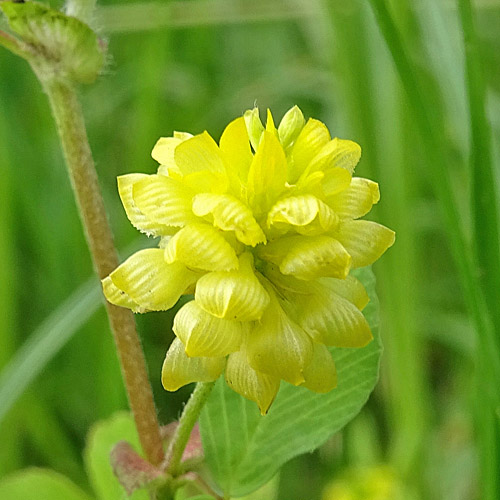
(430, 430)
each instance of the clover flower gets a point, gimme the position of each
(263, 229)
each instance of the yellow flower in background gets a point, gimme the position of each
(367, 483)
(263, 229)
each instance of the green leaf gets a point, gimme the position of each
(184, 494)
(42, 484)
(244, 449)
(100, 441)
(267, 492)
(63, 45)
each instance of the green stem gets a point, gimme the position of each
(71, 128)
(189, 417)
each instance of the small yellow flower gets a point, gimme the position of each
(264, 229)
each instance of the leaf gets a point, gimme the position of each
(267, 492)
(187, 492)
(63, 42)
(244, 450)
(198, 497)
(101, 439)
(42, 484)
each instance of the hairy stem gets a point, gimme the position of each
(188, 419)
(71, 128)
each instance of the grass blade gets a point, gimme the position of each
(484, 207)
(484, 197)
(46, 341)
(432, 133)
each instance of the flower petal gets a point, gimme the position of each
(315, 257)
(205, 335)
(267, 174)
(278, 346)
(270, 126)
(138, 219)
(207, 182)
(179, 369)
(311, 183)
(235, 243)
(335, 180)
(229, 214)
(251, 384)
(337, 153)
(198, 154)
(357, 200)
(236, 295)
(285, 283)
(118, 297)
(332, 320)
(350, 288)
(365, 240)
(347, 154)
(163, 151)
(306, 213)
(201, 246)
(320, 373)
(164, 200)
(309, 257)
(276, 250)
(183, 136)
(151, 282)
(235, 147)
(309, 143)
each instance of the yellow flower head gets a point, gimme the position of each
(264, 229)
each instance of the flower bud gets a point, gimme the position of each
(254, 126)
(290, 126)
(64, 47)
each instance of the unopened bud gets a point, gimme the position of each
(290, 126)
(254, 126)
